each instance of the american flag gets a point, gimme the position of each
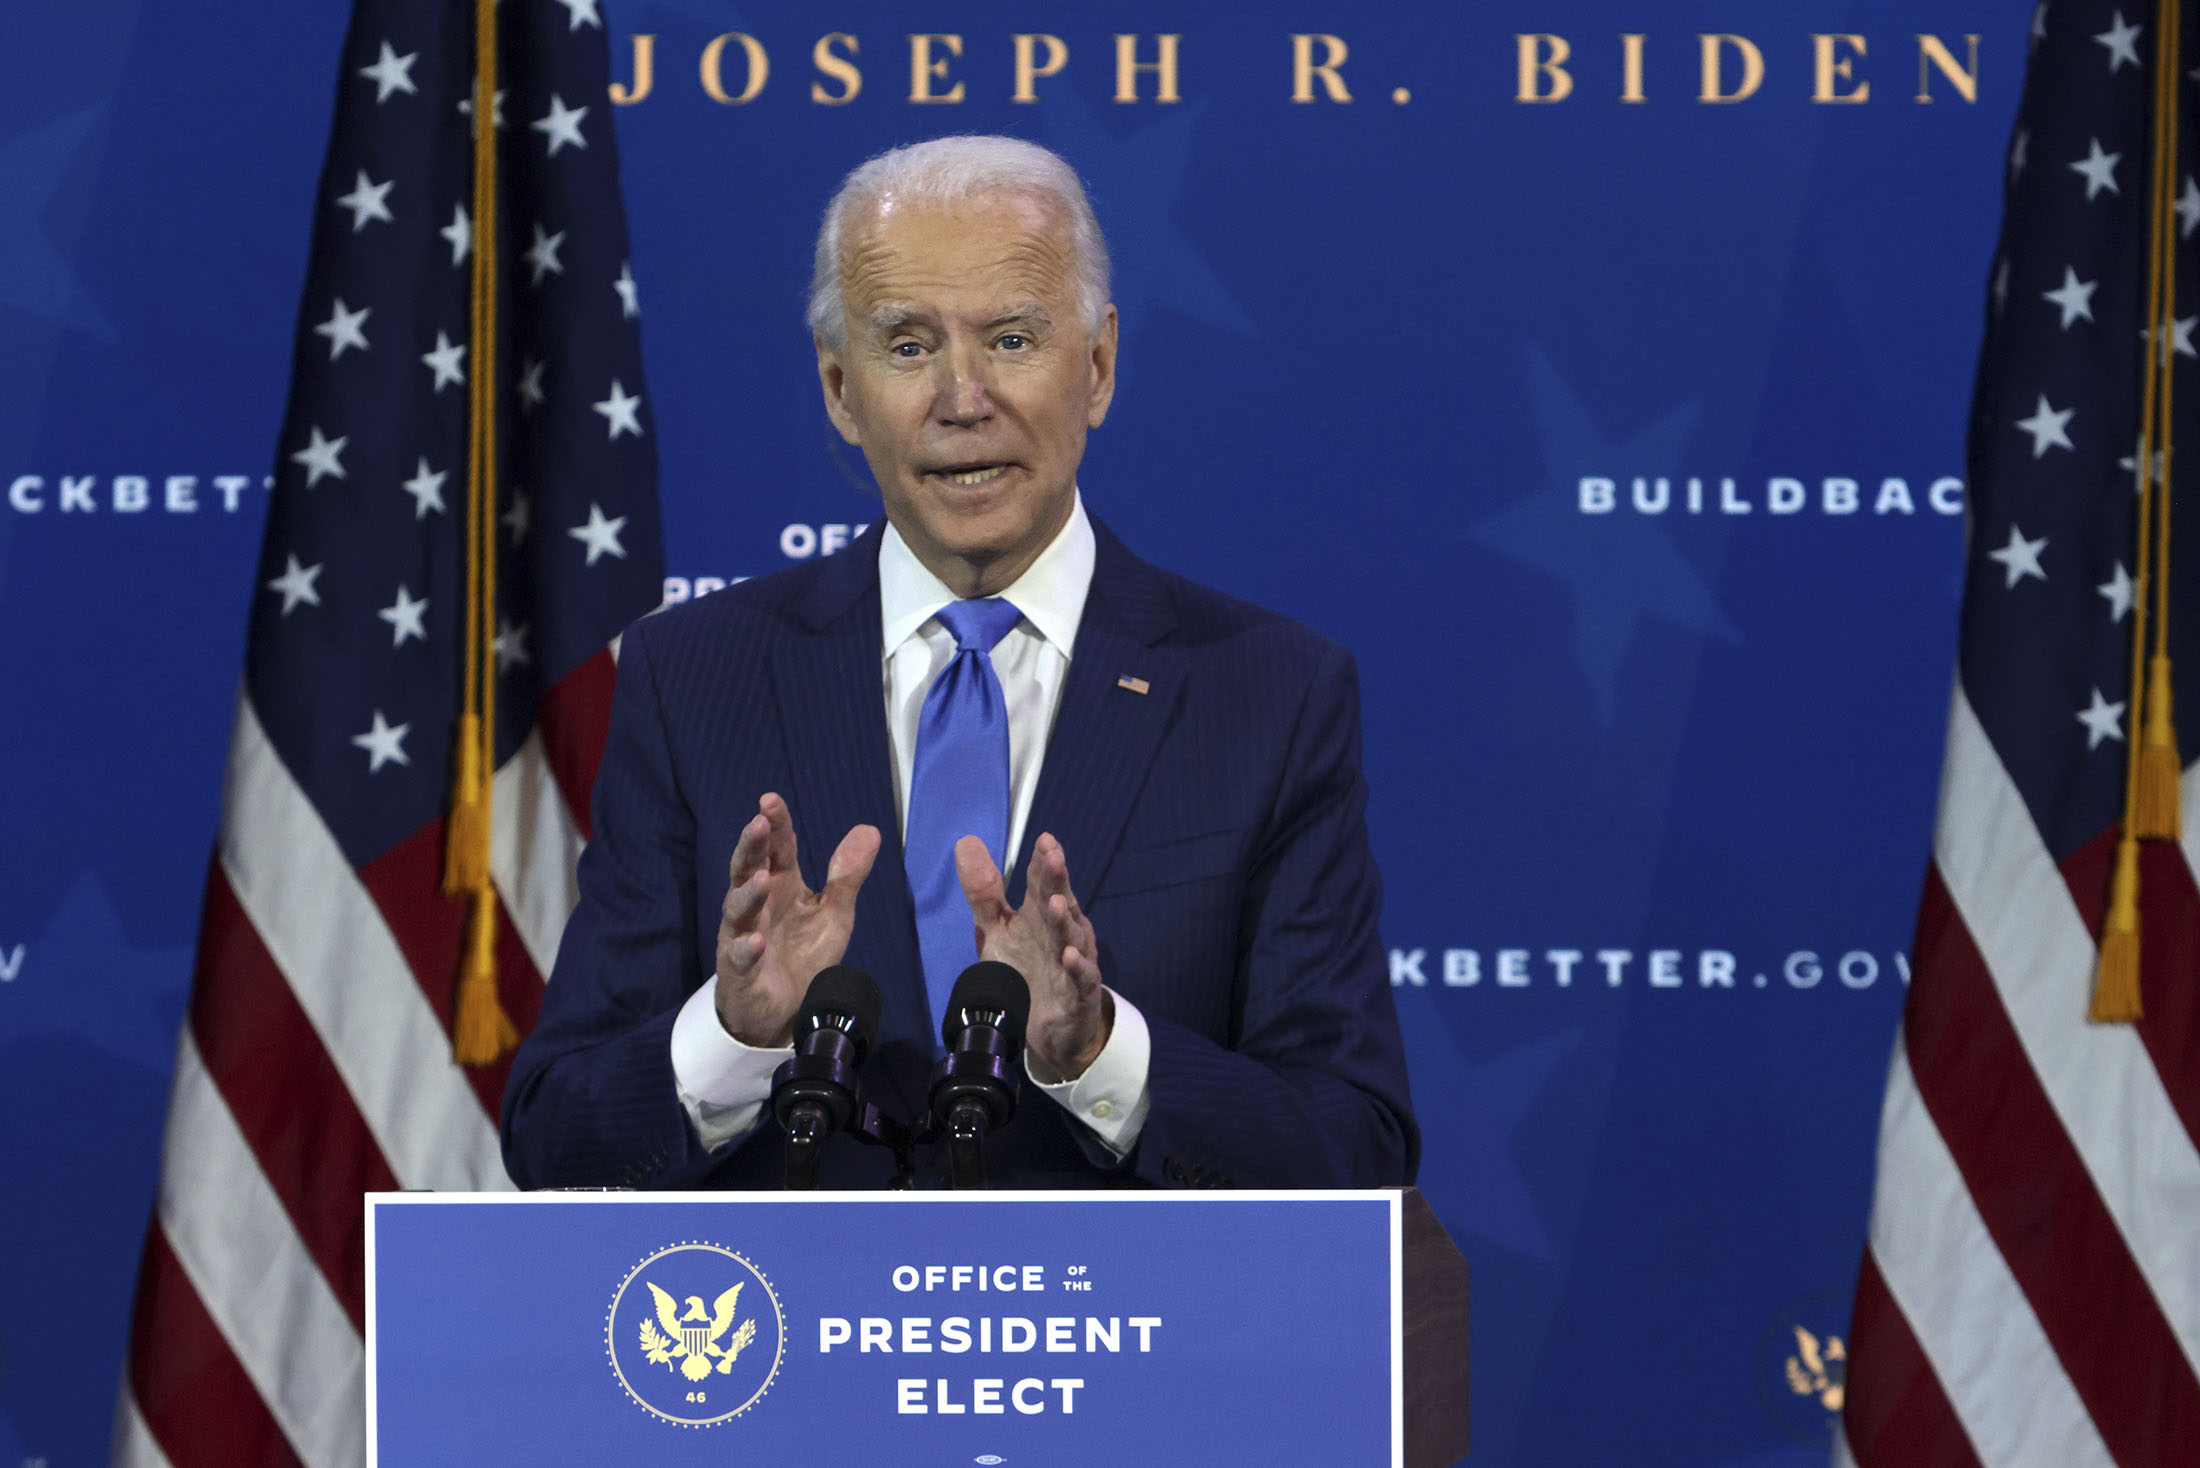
(2031, 1290)
(315, 1063)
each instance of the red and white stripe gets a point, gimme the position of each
(315, 1066)
(2031, 1291)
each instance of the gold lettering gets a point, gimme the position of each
(1753, 67)
(1630, 56)
(1930, 52)
(840, 68)
(759, 69)
(1544, 58)
(923, 69)
(1832, 67)
(1027, 73)
(1304, 69)
(1128, 66)
(645, 73)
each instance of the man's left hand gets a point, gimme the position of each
(1049, 941)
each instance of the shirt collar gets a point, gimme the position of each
(1050, 593)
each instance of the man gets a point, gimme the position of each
(987, 671)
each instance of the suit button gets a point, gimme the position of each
(1172, 1170)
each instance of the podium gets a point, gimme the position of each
(1065, 1329)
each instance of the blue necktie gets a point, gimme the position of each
(958, 787)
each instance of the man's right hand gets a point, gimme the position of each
(775, 934)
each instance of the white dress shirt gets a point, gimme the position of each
(723, 1083)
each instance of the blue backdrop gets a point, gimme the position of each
(1620, 439)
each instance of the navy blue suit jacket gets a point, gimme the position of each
(1215, 834)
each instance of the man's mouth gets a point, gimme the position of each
(971, 474)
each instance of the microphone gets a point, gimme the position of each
(814, 1094)
(974, 1085)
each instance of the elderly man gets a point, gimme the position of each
(988, 671)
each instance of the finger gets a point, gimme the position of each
(748, 851)
(1049, 869)
(1082, 969)
(779, 843)
(1066, 924)
(745, 902)
(851, 863)
(981, 882)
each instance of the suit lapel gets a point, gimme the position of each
(1105, 734)
(832, 712)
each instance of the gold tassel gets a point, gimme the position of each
(2116, 979)
(481, 1032)
(2156, 805)
(466, 840)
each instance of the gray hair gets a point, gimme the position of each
(949, 171)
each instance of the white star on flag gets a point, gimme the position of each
(511, 645)
(2046, 426)
(296, 585)
(2074, 296)
(2117, 589)
(601, 536)
(460, 232)
(391, 73)
(2020, 557)
(2102, 720)
(561, 125)
(323, 457)
(2019, 147)
(582, 12)
(2188, 209)
(367, 201)
(383, 744)
(2119, 39)
(405, 616)
(543, 254)
(619, 411)
(515, 519)
(2180, 337)
(496, 108)
(426, 488)
(2099, 169)
(2001, 284)
(342, 329)
(2039, 22)
(445, 361)
(630, 299)
(530, 384)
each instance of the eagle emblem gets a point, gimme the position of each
(692, 1337)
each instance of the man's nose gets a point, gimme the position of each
(965, 393)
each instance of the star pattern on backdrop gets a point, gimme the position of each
(2102, 720)
(322, 458)
(2121, 41)
(1619, 568)
(561, 125)
(39, 280)
(621, 410)
(2073, 296)
(406, 617)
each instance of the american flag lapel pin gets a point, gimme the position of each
(1135, 685)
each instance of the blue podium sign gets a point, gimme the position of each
(1063, 1329)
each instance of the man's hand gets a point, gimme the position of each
(774, 934)
(1050, 943)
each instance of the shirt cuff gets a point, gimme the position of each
(723, 1083)
(1110, 1098)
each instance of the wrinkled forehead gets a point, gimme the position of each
(981, 255)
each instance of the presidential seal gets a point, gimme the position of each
(695, 1334)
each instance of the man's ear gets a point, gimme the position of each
(1103, 368)
(832, 376)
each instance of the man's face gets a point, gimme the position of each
(969, 378)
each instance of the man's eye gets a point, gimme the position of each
(906, 349)
(1014, 341)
